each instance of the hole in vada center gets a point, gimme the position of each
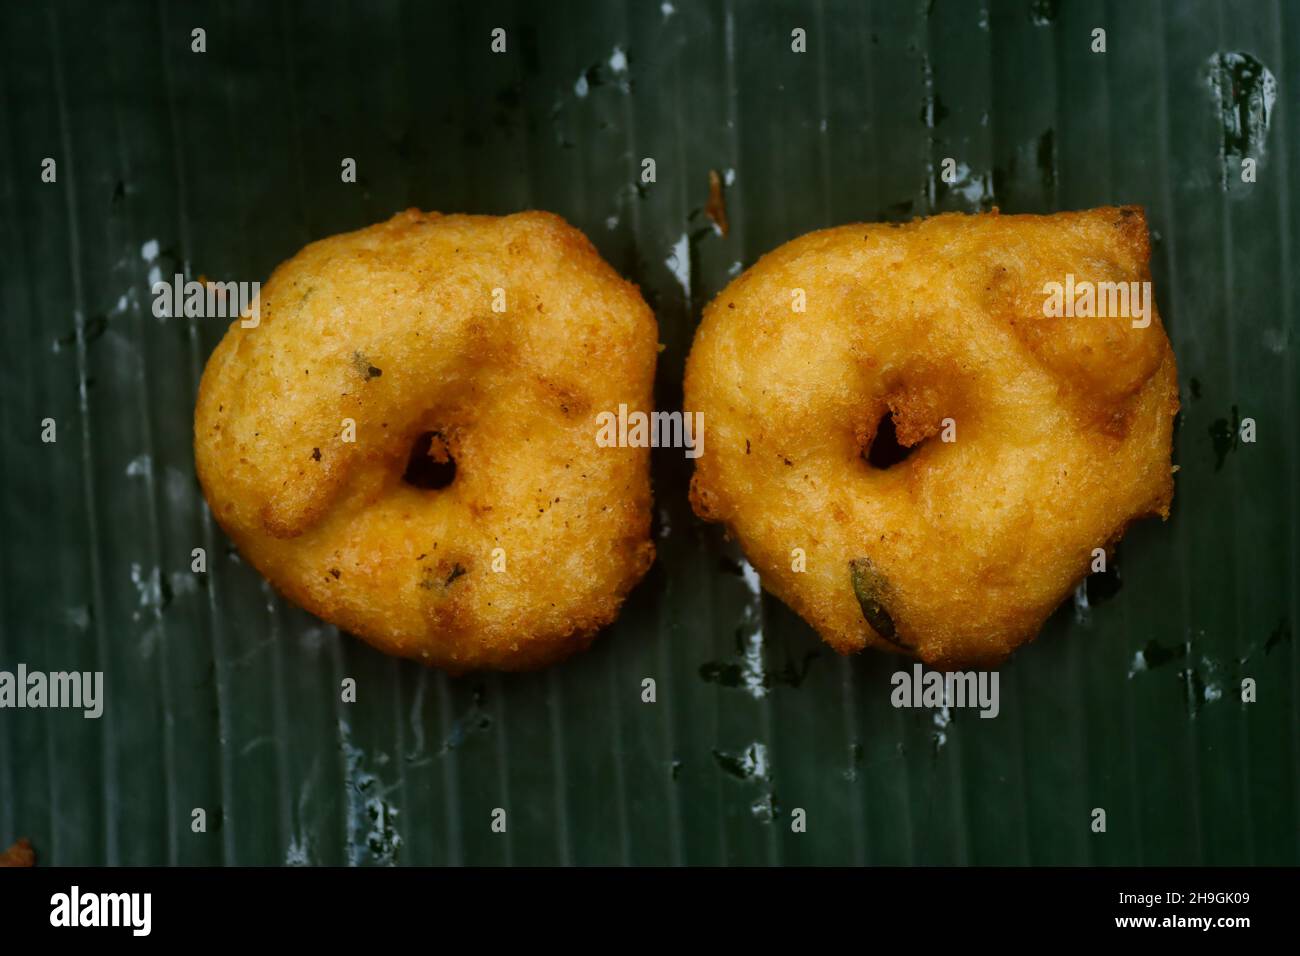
(430, 465)
(885, 451)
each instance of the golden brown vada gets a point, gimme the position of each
(1034, 439)
(386, 358)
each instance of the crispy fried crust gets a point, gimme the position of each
(19, 854)
(393, 328)
(1063, 426)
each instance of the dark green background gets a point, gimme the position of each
(222, 696)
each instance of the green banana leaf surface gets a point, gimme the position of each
(220, 696)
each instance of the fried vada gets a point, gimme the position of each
(404, 442)
(1033, 434)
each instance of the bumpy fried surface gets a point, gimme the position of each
(1063, 426)
(19, 854)
(393, 327)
